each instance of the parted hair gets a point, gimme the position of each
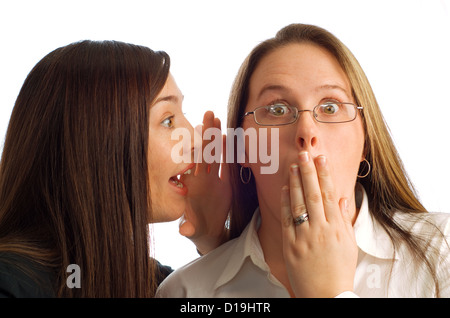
(74, 179)
(388, 186)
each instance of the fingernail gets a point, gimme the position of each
(304, 156)
(294, 169)
(322, 160)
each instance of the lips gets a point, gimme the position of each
(176, 179)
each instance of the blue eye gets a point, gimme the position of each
(168, 122)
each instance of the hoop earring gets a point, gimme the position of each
(368, 169)
(249, 175)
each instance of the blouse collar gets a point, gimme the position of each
(370, 238)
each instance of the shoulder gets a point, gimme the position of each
(21, 278)
(427, 223)
(197, 278)
(432, 231)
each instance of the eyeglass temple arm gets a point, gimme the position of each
(248, 113)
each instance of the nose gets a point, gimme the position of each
(306, 135)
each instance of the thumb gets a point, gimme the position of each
(186, 228)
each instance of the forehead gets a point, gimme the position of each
(170, 87)
(303, 66)
(170, 91)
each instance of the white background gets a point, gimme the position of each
(403, 46)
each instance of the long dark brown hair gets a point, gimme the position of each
(388, 186)
(74, 186)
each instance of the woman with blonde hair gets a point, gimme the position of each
(340, 217)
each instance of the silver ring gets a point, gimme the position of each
(301, 219)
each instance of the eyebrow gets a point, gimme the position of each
(332, 87)
(169, 98)
(271, 87)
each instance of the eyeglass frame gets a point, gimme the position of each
(298, 111)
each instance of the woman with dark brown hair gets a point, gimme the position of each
(86, 168)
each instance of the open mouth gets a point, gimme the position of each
(176, 180)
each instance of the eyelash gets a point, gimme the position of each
(331, 99)
(171, 122)
(279, 101)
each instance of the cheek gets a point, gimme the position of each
(269, 152)
(156, 185)
(159, 154)
(159, 167)
(275, 153)
(345, 155)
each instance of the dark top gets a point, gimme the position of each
(162, 272)
(23, 278)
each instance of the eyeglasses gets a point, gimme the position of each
(281, 114)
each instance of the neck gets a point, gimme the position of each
(270, 238)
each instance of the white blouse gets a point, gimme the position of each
(237, 268)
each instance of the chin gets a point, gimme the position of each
(167, 212)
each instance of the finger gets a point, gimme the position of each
(217, 123)
(215, 166)
(328, 192)
(224, 166)
(287, 222)
(198, 163)
(311, 189)
(198, 148)
(298, 206)
(208, 122)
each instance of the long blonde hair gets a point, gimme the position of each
(388, 187)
